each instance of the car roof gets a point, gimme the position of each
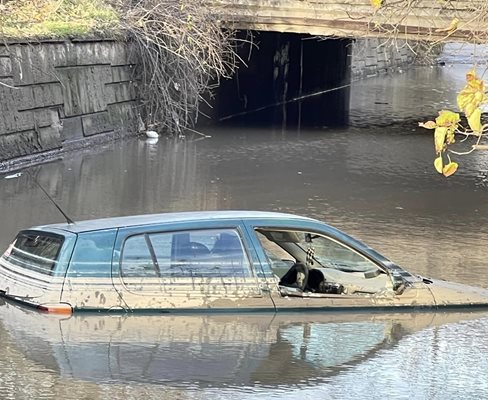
(154, 219)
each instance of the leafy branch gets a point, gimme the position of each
(447, 124)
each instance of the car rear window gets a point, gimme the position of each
(37, 251)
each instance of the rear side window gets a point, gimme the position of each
(36, 251)
(199, 253)
(93, 254)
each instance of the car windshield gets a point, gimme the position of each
(330, 253)
(35, 251)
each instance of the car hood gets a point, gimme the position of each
(452, 294)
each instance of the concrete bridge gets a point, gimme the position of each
(405, 19)
(298, 80)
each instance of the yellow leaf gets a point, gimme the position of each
(439, 138)
(472, 95)
(438, 164)
(474, 121)
(428, 125)
(447, 119)
(376, 3)
(450, 169)
(471, 74)
(468, 110)
(452, 26)
(463, 100)
(479, 96)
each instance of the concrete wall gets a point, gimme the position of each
(370, 57)
(59, 95)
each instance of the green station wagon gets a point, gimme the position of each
(212, 261)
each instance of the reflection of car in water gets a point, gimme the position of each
(220, 260)
(206, 349)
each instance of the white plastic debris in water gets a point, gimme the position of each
(152, 134)
(14, 175)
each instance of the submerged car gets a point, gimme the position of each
(212, 261)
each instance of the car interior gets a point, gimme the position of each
(307, 263)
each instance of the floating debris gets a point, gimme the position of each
(13, 176)
(152, 134)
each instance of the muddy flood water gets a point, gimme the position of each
(374, 179)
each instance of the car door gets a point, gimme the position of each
(189, 266)
(310, 268)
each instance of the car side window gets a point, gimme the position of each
(136, 258)
(92, 256)
(279, 260)
(198, 253)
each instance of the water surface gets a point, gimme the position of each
(374, 179)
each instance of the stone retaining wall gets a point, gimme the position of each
(54, 95)
(369, 57)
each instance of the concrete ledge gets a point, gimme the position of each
(56, 154)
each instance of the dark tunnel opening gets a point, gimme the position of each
(291, 80)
